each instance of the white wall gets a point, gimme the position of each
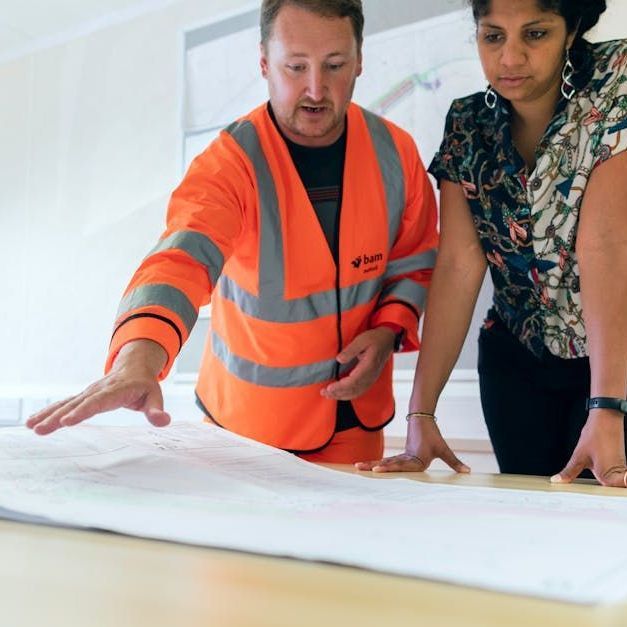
(613, 24)
(88, 156)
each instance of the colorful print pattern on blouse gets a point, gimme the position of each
(527, 222)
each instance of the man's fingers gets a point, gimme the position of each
(454, 462)
(340, 391)
(43, 414)
(571, 471)
(157, 417)
(350, 386)
(90, 406)
(99, 398)
(153, 408)
(352, 351)
(364, 351)
(53, 421)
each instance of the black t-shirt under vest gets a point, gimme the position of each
(321, 170)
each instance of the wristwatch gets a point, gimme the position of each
(607, 402)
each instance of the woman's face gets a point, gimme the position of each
(522, 49)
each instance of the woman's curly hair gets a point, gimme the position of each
(580, 15)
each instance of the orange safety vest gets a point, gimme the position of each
(241, 228)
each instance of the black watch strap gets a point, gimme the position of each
(607, 402)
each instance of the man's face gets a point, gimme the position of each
(311, 63)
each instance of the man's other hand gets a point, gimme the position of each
(371, 350)
(132, 384)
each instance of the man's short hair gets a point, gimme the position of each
(326, 8)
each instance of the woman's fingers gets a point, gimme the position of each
(397, 463)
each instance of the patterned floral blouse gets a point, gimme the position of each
(527, 222)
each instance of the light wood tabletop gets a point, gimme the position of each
(52, 577)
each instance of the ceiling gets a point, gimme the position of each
(29, 25)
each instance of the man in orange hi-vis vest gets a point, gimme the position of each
(310, 225)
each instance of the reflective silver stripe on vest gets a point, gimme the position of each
(391, 170)
(408, 291)
(304, 309)
(405, 265)
(163, 296)
(271, 271)
(196, 245)
(271, 376)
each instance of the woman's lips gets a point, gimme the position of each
(512, 81)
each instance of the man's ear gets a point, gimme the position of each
(263, 60)
(359, 64)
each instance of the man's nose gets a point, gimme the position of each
(315, 85)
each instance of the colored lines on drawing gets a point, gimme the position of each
(425, 81)
(402, 90)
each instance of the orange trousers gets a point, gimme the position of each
(348, 447)
(345, 447)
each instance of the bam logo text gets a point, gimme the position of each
(367, 261)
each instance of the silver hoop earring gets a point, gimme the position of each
(490, 97)
(568, 88)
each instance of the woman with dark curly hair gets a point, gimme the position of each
(533, 182)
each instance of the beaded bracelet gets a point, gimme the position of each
(418, 414)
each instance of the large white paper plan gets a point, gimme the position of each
(202, 485)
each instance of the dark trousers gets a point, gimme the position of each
(534, 408)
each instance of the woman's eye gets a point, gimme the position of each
(492, 38)
(536, 34)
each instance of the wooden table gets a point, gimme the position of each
(51, 576)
